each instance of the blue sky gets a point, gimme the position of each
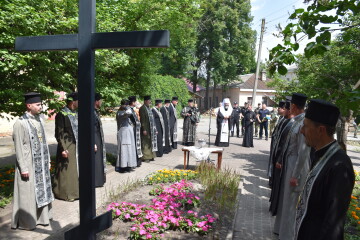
(274, 12)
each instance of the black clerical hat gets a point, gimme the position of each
(167, 101)
(190, 100)
(175, 98)
(287, 105)
(132, 99)
(282, 104)
(98, 96)
(124, 102)
(235, 103)
(32, 97)
(322, 112)
(147, 98)
(299, 99)
(72, 96)
(157, 101)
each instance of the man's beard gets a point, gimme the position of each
(226, 108)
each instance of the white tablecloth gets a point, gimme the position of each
(201, 154)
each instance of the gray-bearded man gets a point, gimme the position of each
(32, 186)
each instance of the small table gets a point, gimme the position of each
(187, 150)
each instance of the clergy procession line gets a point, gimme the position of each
(310, 176)
(142, 134)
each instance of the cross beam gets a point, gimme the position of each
(106, 40)
(85, 42)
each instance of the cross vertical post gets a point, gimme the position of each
(86, 42)
(86, 86)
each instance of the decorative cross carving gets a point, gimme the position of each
(86, 42)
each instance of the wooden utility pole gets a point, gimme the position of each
(258, 62)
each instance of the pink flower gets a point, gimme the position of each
(148, 236)
(189, 222)
(189, 201)
(118, 212)
(205, 228)
(133, 229)
(127, 216)
(142, 232)
(201, 224)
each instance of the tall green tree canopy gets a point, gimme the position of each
(226, 42)
(119, 73)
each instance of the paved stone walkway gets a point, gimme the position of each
(252, 221)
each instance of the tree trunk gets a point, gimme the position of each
(207, 91)
(342, 129)
(214, 103)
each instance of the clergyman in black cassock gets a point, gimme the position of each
(160, 127)
(165, 114)
(321, 211)
(277, 173)
(275, 138)
(173, 122)
(249, 119)
(137, 129)
(191, 120)
(235, 120)
(243, 111)
(100, 152)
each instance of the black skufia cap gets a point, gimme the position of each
(147, 98)
(132, 99)
(282, 104)
(72, 96)
(32, 97)
(175, 98)
(235, 103)
(124, 102)
(190, 100)
(287, 105)
(322, 112)
(299, 99)
(157, 101)
(98, 96)
(167, 101)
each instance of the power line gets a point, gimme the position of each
(281, 8)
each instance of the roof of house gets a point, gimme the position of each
(247, 81)
(190, 85)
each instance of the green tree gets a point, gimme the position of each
(225, 44)
(332, 76)
(119, 73)
(309, 23)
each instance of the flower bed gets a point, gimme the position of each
(169, 176)
(352, 227)
(7, 175)
(6, 185)
(170, 210)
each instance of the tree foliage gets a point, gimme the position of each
(309, 23)
(225, 42)
(332, 75)
(119, 73)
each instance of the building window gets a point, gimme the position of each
(249, 100)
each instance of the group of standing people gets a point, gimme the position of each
(310, 176)
(145, 135)
(33, 188)
(141, 137)
(228, 120)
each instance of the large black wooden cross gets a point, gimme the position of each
(86, 41)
